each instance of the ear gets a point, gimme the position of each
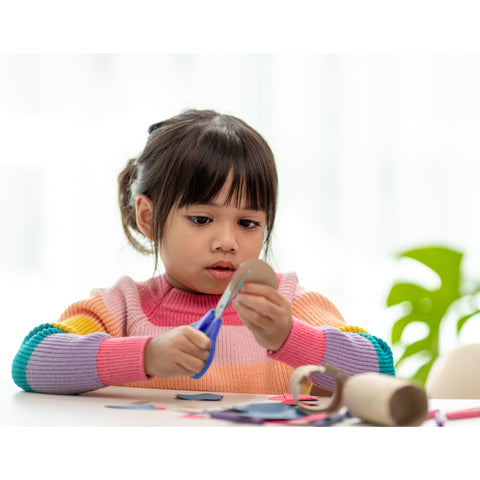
(144, 213)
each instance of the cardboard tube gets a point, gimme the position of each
(385, 400)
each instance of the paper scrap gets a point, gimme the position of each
(307, 419)
(236, 417)
(189, 409)
(272, 411)
(286, 397)
(136, 407)
(193, 415)
(199, 396)
(330, 420)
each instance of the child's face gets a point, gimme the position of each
(203, 245)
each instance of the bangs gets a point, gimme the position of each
(221, 156)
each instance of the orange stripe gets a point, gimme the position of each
(271, 377)
(317, 310)
(95, 310)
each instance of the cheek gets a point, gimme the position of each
(253, 243)
(183, 249)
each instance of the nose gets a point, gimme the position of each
(224, 239)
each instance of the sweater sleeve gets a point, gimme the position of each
(85, 350)
(319, 335)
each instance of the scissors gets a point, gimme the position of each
(211, 322)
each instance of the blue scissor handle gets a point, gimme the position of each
(210, 326)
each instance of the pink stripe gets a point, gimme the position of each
(120, 360)
(296, 351)
(122, 301)
(235, 344)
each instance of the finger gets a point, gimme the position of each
(197, 338)
(263, 291)
(251, 318)
(190, 364)
(261, 305)
(257, 289)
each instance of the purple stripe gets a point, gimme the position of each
(65, 363)
(350, 352)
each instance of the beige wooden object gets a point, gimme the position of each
(456, 374)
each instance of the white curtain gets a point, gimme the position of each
(376, 154)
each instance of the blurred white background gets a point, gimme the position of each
(376, 154)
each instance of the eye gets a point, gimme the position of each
(248, 223)
(199, 220)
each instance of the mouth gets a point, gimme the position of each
(222, 265)
(221, 270)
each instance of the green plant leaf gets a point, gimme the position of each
(398, 328)
(414, 348)
(421, 374)
(402, 323)
(406, 292)
(443, 261)
(427, 306)
(461, 321)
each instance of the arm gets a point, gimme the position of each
(350, 348)
(310, 330)
(89, 347)
(83, 351)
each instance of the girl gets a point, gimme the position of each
(202, 198)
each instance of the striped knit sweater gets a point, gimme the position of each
(100, 342)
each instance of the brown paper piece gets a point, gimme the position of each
(372, 397)
(259, 272)
(301, 374)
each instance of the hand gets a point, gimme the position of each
(181, 351)
(266, 312)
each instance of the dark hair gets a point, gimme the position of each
(186, 160)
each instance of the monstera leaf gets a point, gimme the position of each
(427, 306)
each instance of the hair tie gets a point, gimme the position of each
(155, 128)
(135, 186)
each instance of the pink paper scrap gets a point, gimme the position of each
(193, 415)
(289, 397)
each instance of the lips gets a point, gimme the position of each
(221, 270)
(222, 265)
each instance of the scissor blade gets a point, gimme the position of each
(232, 288)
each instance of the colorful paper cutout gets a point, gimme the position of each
(136, 407)
(286, 397)
(272, 411)
(236, 417)
(330, 420)
(307, 419)
(199, 396)
(292, 402)
(193, 415)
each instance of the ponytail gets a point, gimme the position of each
(126, 203)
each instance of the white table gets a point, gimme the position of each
(19, 408)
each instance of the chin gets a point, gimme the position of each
(204, 289)
(218, 290)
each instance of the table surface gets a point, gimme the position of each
(19, 408)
